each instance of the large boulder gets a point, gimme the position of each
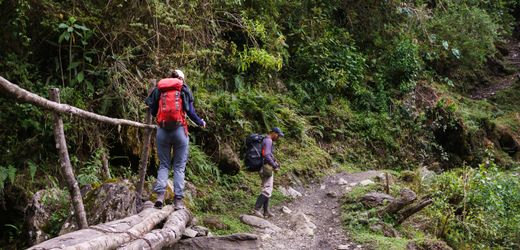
(228, 160)
(428, 244)
(108, 202)
(375, 199)
(302, 224)
(258, 222)
(42, 212)
(235, 241)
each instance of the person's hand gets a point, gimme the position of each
(203, 124)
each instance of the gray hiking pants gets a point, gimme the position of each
(179, 141)
(267, 183)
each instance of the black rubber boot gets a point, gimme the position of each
(267, 213)
(260, 201)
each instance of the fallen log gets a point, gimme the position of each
(165, 237)
(406, 198)
(403, 215)
(116, 233)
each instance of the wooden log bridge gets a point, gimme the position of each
(134, 232)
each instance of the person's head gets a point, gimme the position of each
(177, 74)
(276, 133)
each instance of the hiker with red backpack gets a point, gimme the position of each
(262, 159)
(170, 102)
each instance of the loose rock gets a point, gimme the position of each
(343, 247)
(189, 233)
(302, 224)
(258, 222)
(366, 182)
(201, 231)
(375, 199)
(342, 181)
(214, 223)
(286, 210)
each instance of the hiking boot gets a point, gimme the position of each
(268, 214)
(158, 204)
(160, 201)
(257, 213)
(178, 204)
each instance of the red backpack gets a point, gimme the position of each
(171, 113)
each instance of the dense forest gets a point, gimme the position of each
(404, 86)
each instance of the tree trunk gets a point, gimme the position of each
(117, 233)
(167, 236)
(403, 215)
(66, 167)
(145, 153)
(104, 157)
(407, 196)
(26, 96)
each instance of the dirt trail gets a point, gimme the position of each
(499, 83)
(321, 204)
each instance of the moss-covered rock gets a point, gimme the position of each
(108, 202)
(44, 213)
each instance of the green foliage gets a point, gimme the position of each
(32, 169)
(200, 168)
(338, 76)
(477, 208)
(460, 37)
(357, 221)
(260, 57)
(90, 171)
(7, 173)
(402, 65)
(329, 66)
(55, 200)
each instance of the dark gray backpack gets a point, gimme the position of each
(253, 156)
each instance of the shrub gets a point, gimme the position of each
(330, 66)
(460, 37)
(477, 208)
(402, 64)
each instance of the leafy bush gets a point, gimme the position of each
(200, 168)
(7, 173)
(402, 64)
(477, 208)
(460, 37)
(330, 66)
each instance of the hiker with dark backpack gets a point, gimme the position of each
(170, 102)
(266, 164)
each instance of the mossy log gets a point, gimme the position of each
(117, 233)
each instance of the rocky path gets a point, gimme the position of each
(502, 82)
(313, 220)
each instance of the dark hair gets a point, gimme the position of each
(173, 74)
